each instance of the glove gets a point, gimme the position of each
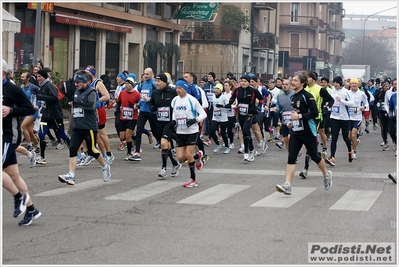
(172, 124)
(228, 106)
(110, 105)
(191, 122)
(219, 106)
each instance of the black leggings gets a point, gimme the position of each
(230, 125)
(143, 117)
(77, 137)
(296, 142)
(384, 120)
(337, 125)
(213, 129)
(392, 129)
(246, 124)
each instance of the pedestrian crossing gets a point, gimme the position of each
(351, 200)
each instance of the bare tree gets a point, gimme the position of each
(376, 51)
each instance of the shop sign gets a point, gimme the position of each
(196, 11)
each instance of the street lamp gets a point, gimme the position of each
(364, 27)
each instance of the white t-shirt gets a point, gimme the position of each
(185, 108)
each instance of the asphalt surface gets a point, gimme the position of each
(233, 217)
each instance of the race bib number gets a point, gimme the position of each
(163, 114)
(127, 113)
(286, 117)
(181, 122)
(352, 110)
(335, 110)
(297, 125)
(243, 109)
(210, 96)
(78, 112)
(217, 113)
(144, 93)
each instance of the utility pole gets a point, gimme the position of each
(36, 49)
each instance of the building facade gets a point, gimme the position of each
(107, 35)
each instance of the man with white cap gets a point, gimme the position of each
(15, 104)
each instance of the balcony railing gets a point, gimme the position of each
(303, 52)
(265, 6)
(211, 34)
(307, 21)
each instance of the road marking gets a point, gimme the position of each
(357, 200)
(76, 188)
(264, 173)
(214, 194)
(145, 191)
(279, 200)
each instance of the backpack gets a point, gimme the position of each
(60, 95)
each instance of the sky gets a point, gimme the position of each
(370, 7)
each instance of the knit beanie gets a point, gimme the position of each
(43, 73)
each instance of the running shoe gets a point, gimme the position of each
(50, 143)
(265, 147)
(157, 145)
(392, 176)
(246, 156)
(127, 157)
(135, 157)
(59, 146)
(354, 155)
(37, 150)
(304, 173)
(217, 148)
(162, 173)
(385, 147)
(382, 144)
(121, 146)
(324, 153)
(251, 157)
(271, 140)
(367, 129)
(207, 142)
(226, 150)
(328, 180)
(30, 216)
(350, 156)
(106, 173)
(150, 140)
(198, 162)
(190, 183)
(110, 159)
(20, 205)
(255, 152)
(175, 170)
(231, 146)
(32, 159)
(284, 188)
(280, 144)
(374, 127)
(330, 161)
(40, 161)
(205, 158)
(29, 147)
(240, 150)
(88, 160)
(66, 178)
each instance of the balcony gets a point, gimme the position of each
(265, 6)
(264, 40)
(335, 8)
(304, 52)
(301, 21)
(211, 34)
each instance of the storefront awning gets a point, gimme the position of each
(10, 23)
(91, 23)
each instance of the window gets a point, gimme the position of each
(154, 8)
(169, 11)
(295, 12)
(294, 44)
(264, 24)
(135, 6)
(115, 3)
(169, 38)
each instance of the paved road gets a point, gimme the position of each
(234, 216)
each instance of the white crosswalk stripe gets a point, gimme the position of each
(214, 194)
(357, 200)
(145, 191)
(76, 188)
(279, 200)
(352, 200)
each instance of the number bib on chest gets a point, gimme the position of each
(286, 117)
(181, 121)
(335, 110)
(243, 109)
(78, 112)
(163, 114)
(217, 113)
(127, 113)
(297, 125)
(353, 110)
(144, 93)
